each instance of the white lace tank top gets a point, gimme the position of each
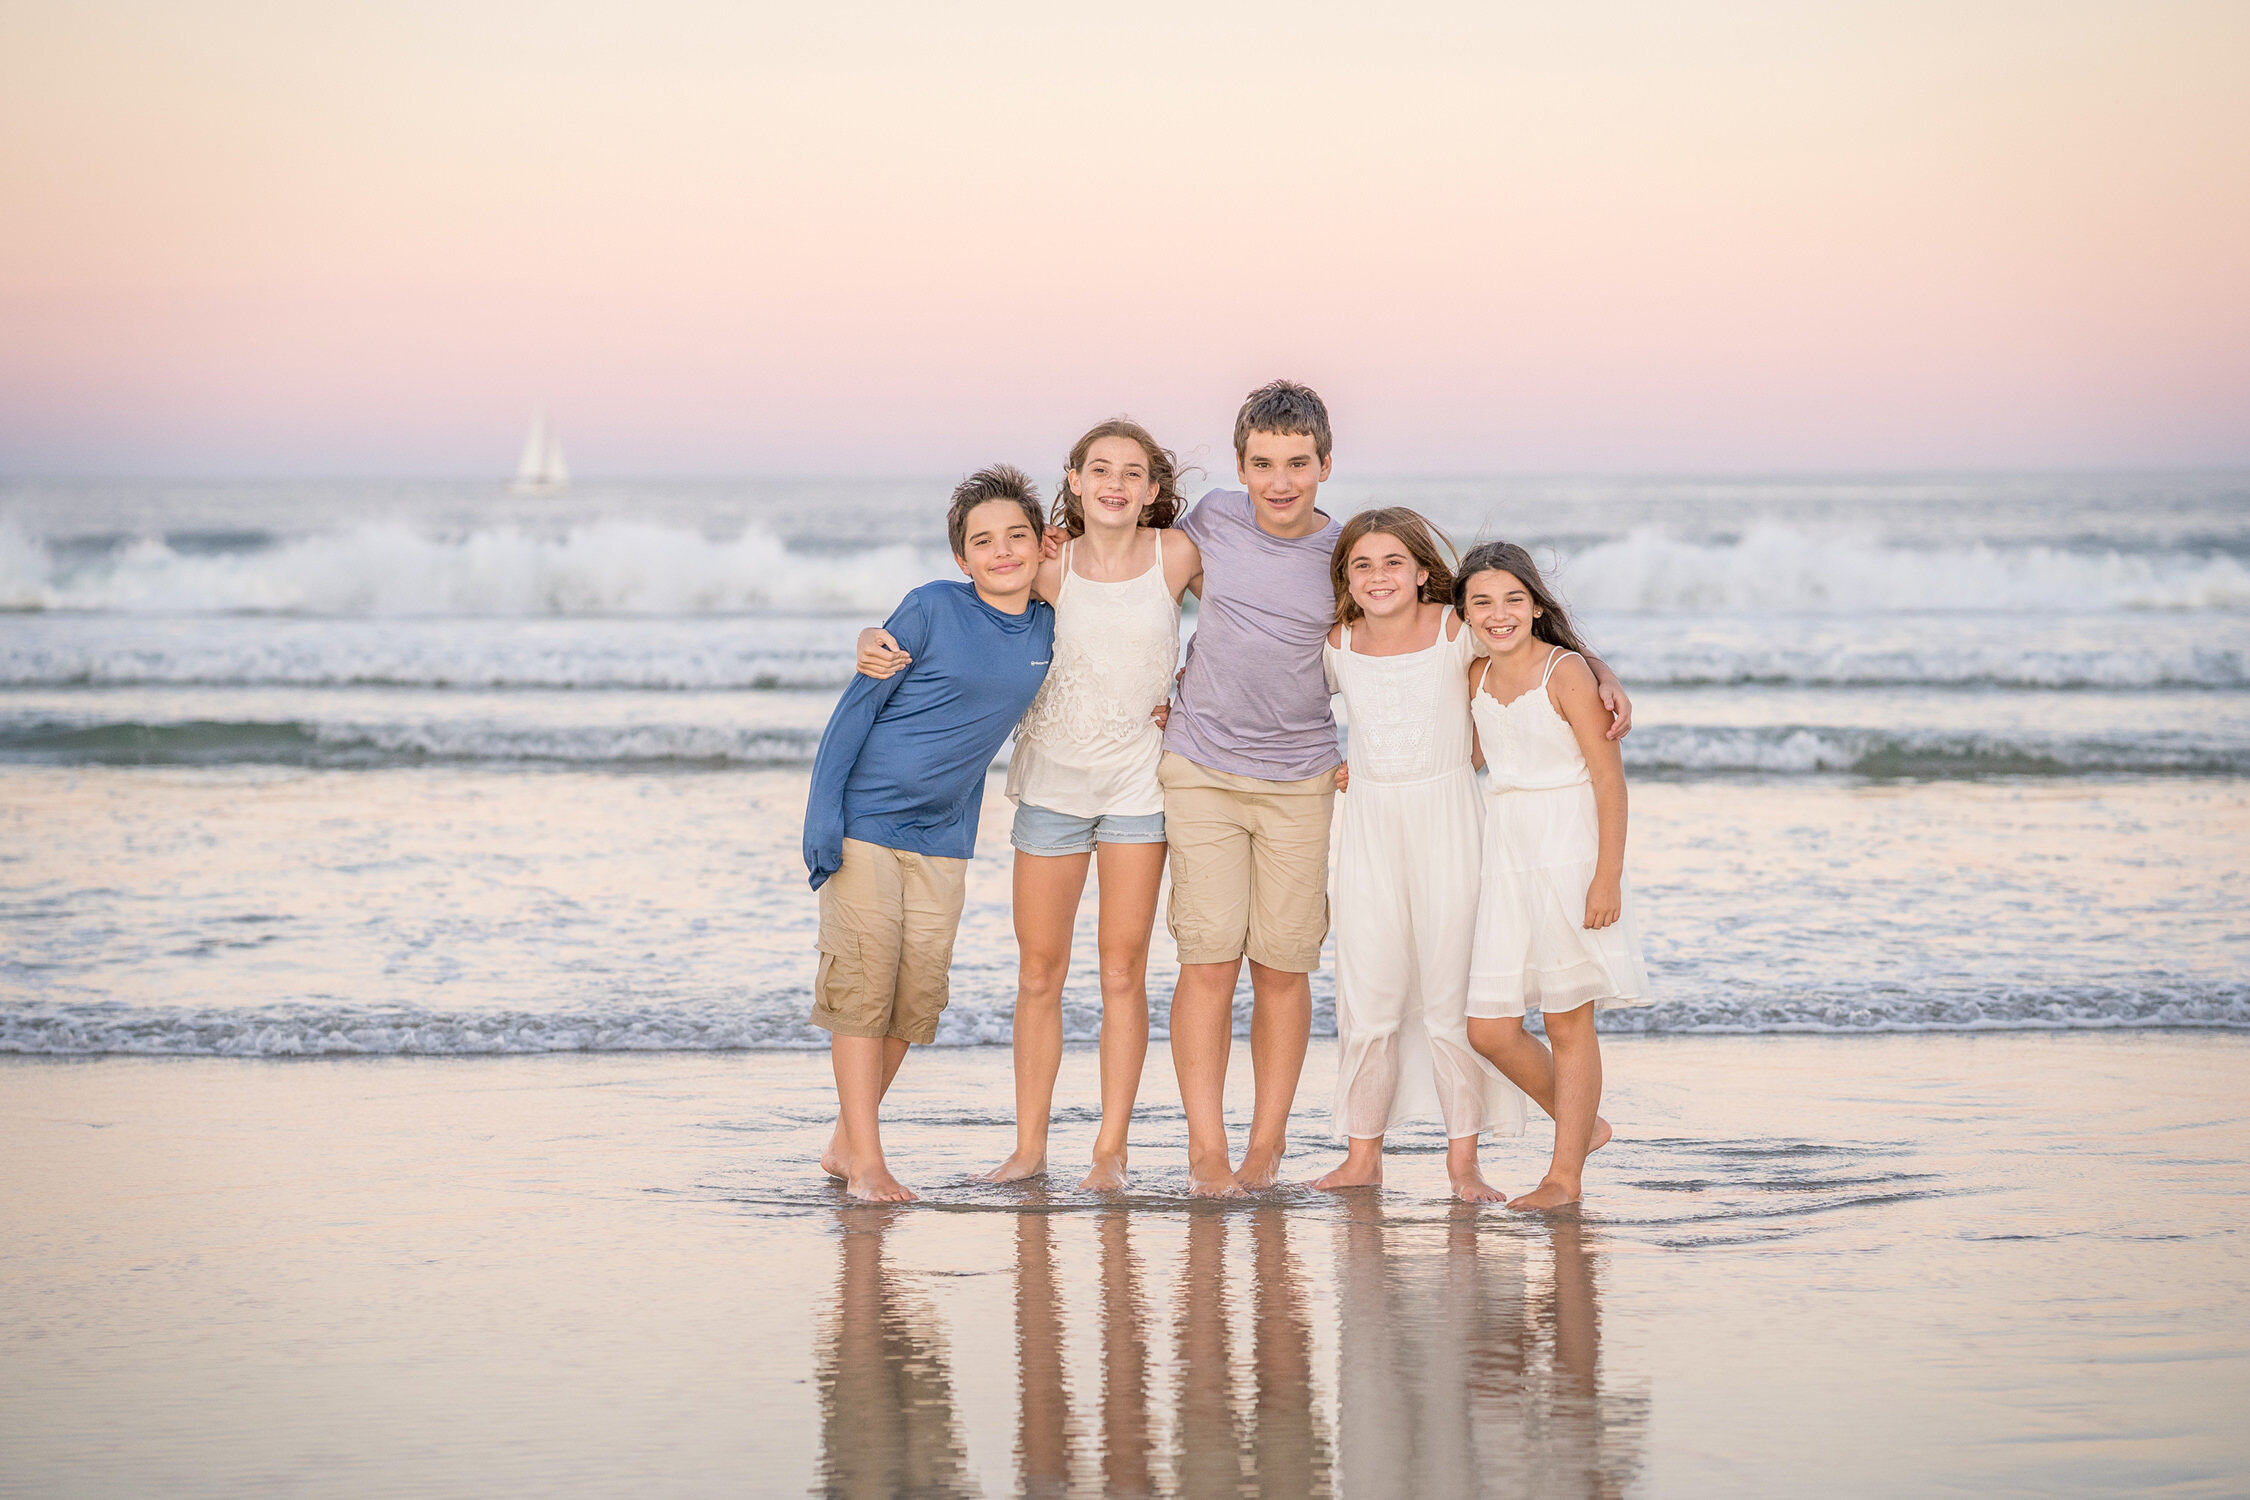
(1528, 745)
(1408, 715)
(1087, 746)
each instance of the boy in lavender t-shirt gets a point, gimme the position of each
(1249, 781)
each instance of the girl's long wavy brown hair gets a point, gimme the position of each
(1430, 548)
(1552, 622)
(1163, 470)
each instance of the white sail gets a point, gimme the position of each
(541, 470)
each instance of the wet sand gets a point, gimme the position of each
(1931, 1264)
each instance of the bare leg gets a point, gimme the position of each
(1527, 1063)
(836, 1161)
(1578, 1088)
(1280, 1027)
(1467, 1177)
(1130, 875)
(1362, 1166)
(863, 1073)
(1202, 1035)
(1047, 888)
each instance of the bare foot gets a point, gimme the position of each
(1210, 1178)
(1549, 1194)
(877, 1185)
(1260, 1170)
(1107, 1175)
(1019, 1165)
(1470, 1187)
(1352, 1174)
(833, 1159)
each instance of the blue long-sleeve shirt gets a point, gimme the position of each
(902, 761)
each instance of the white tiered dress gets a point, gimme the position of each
(1542, 838)
(1406, 898)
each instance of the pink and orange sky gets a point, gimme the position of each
(325, 238)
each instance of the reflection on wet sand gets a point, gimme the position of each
(1469, 1360)
(887, 1424)
(1128, 1451)
(1275, 1442)
(1469, 1368)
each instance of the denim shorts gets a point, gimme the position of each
(1039, 831)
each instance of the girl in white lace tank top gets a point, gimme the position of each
(1554, 925)
(1406, 859)
(1083, 774)
(1088, 747)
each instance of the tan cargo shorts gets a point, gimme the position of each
(887, 920)
(1249, 865)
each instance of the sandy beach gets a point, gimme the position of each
(1997, 1264)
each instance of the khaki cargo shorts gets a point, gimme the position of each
(887, 920)
(1249, 865)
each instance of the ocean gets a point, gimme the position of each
(377, 767)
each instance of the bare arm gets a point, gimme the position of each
(1476, 741)
(1183, 562)
(1577, 699)
(1614, 702)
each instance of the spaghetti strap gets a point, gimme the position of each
(1553, 657)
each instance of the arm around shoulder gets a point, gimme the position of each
(1577, 697)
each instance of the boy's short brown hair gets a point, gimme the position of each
(1285, 407)
(997, 482)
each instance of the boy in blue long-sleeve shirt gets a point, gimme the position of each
(892, 818)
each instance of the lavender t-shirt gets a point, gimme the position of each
(1254, 700)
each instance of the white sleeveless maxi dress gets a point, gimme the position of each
(1405, 898)
(1541, 841)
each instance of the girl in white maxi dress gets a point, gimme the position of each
(1554, 926)
(1406, 863)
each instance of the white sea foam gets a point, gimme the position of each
(391, 569)
(1809, 749)
(1774, 569)
(618, 567)
(355, 743)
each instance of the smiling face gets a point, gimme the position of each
(1383, 577)
(1113, 483)
(1499, 609)
(1283, 471)
(1000, 553)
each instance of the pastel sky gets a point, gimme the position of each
(309, 237)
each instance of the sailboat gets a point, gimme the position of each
(541, 470)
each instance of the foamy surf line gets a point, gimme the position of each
(629, 568)
(1782, 750)
(352, 746)
(775, 1022)
(392, 570)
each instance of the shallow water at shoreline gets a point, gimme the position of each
(1907, 1264)
(256, 911)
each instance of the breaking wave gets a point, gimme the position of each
(617, 567)
(390, 569)
(1774, 569)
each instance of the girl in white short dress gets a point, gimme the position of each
(1406, 858)
(1554, 926)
